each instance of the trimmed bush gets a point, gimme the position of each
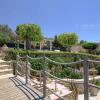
(90, 46)
(11, 54)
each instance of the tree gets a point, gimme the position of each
(57, 45)
(28, 33)
(55, 42)
(67, 39)
(7, 31)
(82, 42)
(3, 38)
(73, 39)
(90, 46)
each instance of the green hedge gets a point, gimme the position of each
(57, 70)
(11, 54)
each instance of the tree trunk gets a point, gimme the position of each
(25, 45)
(28, 44)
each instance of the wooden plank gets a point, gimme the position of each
(17, 91)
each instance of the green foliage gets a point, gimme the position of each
(57, 70)
(75, 75)
(82, 42)
(62, 59)
(28, 33)
(67, 39)
(36, 64)
(3, 38)
(57, 45)
(11, 54)
(96, 82)
(90, 46)
(98, 68)
(7, 32)
(66, 73)
(73, 39)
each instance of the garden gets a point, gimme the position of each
(53, 62)
(61, 71)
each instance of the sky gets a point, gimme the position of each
(55, 16)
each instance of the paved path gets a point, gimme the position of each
(13, 89)
(81, 97)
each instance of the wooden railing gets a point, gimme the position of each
(44, 74)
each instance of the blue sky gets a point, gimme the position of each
(55, 16)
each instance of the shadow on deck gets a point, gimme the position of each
(29, 91)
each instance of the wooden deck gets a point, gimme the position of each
(14, 89)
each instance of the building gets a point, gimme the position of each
(45, 44)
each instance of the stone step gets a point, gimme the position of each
(1, 54)
(1, 58)
(5, 71)
(6, 76)
(5, 66)
(2, 62)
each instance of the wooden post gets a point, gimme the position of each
(44, 79)
(55, 85)
(26, 70)
(86, 87)
(40, 79)
(17, 58)
(16, 68)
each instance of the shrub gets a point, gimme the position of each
(67, 73)
(90, 46)
(96, 82)
(98, 68)
(75, 75)
(57, 70)
(11, 54)
(36, 64)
